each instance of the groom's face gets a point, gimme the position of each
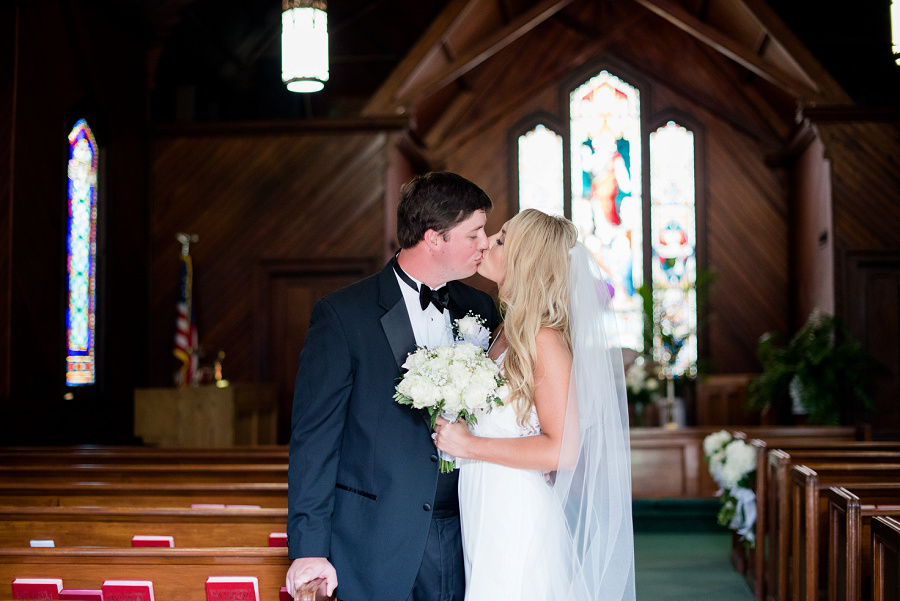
(459, 250)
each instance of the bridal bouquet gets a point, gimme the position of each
(453, 381)
(732, 464)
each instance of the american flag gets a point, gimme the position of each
(186, 339)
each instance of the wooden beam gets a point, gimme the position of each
(777, 124)
(285, 127)
(831, 90)
(382, 102)
(683, 20)
(500, 109)
(486, 49)
(461, 102)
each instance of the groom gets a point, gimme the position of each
(367, 507)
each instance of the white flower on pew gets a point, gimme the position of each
(715, 442)
(740, 461)
(732, 464)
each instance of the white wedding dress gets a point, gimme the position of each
(512, 529)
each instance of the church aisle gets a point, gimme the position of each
(685, 566)
(681, 554)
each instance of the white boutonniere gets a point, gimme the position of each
(471, 329)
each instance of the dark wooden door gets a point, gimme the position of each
(290, 290)
(872, 310)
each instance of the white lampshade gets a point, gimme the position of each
(304, 45)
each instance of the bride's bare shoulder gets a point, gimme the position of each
(551, 346)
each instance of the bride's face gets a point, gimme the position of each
(492, 266)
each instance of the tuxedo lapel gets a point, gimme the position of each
(395, 322)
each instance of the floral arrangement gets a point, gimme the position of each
(453, 381)
(732, 464)
(642, 384)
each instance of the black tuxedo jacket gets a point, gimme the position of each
(363, 468)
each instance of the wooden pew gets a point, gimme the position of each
(777, 508)
(756, 559)
(129, 473)
(114, 527)
(177, 574)
(140, 455)
(81, 494)
(849, 532)
(886, 559)
(669, 464)
(808, 512)
(756, 572)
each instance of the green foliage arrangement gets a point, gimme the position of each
(822, 368)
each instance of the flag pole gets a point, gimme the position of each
(186, 339)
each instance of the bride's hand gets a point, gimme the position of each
(452, 437)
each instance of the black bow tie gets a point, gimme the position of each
(440, 298)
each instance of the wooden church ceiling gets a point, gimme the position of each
(441, 62)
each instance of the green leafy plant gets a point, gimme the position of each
(822, 369)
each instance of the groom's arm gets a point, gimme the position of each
(321, 395)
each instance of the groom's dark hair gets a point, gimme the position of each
(436, 201)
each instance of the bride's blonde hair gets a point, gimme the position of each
(535, 295)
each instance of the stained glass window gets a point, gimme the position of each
(606, 190)
(674, 244)
(81, 246)
(541, 171)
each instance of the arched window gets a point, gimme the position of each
(602, 145)
(81, 249)
(541, 170)
(673, 239)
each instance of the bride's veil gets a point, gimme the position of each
(593, 482)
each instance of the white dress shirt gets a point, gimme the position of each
(430, 327)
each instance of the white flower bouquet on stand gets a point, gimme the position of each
(732, 464)
(453, 381)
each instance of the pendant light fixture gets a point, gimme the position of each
(304, 45)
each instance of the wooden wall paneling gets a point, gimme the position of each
(8, 53)
(255, 198)
(73, 37)
(746, 210)
(865, 179)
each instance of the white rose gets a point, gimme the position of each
(715, 441)
(453, 402)
(465, 352)
(475, 397)
(460, 375)
(741, 457)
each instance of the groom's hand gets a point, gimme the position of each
(305, 569)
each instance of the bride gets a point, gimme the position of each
(545, 479)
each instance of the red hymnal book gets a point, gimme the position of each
(80, 595)
(232, 588)
(278, 539)
(143, 540)
(36, 588)
(283, 595)
(127, 590)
